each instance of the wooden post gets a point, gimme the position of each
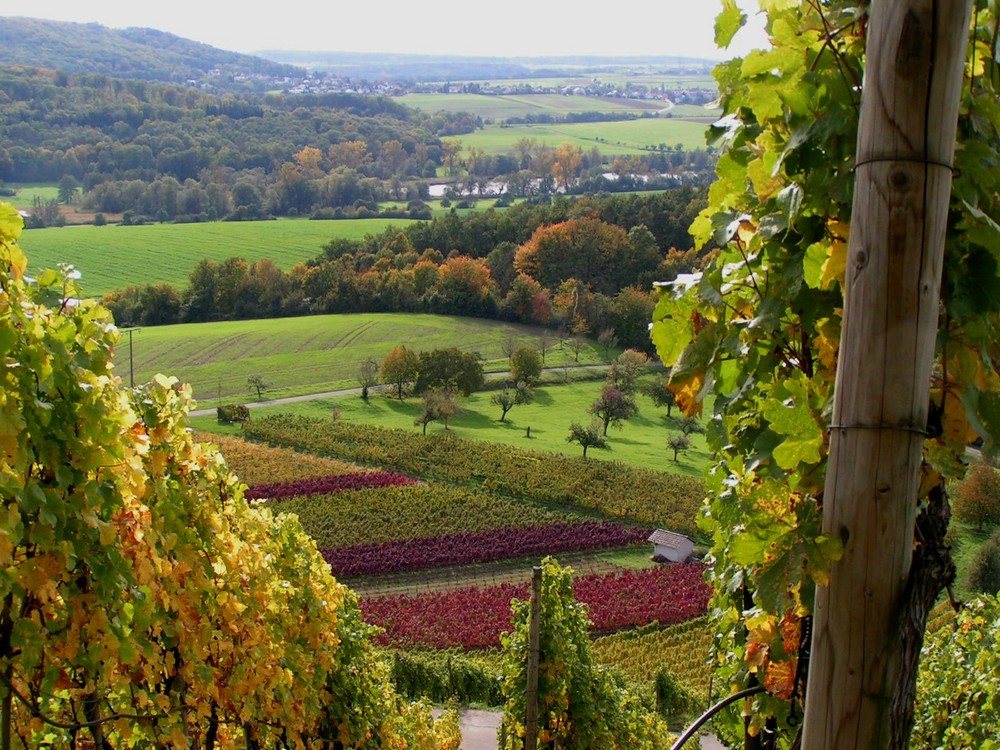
(906, 142)
(534, 636)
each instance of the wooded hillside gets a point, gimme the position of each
(125, 53)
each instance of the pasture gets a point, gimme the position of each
(623, 138)
(640, 441)
(522, 105)
(113, 257)
(26, 194)
(311, 354)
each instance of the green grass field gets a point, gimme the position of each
(311, 354)
(26, 194)
(113, 257)
(641, 441)
(522, 105)
(612, 138)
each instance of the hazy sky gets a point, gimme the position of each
(506, 28)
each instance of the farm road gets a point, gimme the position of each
(479, 728)
(351, 391)
(479, 731)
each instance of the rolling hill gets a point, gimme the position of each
(133, 53)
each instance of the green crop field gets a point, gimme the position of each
(309, 354)
(113, 257)
(522, 105)
(612, 138)
(641, 441)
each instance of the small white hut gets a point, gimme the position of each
(671, 546)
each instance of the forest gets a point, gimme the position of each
(134, 53)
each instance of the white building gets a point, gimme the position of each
(671, 546)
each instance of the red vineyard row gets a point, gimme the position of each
(475, 617)
(466, 547)
(336, 483)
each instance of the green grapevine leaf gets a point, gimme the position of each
(728, 22)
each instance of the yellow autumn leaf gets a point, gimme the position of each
(835, 267)
(779, 678)
(686, 395)
(955, 423)
(827, 345)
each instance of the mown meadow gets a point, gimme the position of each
(316, 353)
(113, 257)
(625, 137)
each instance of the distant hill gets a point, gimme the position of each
(412, 67)
(135, 53)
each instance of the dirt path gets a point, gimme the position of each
(479, 732)
(479, 729)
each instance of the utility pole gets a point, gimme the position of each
(131, 362)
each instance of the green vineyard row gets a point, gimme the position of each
(375, 515)
(615, 490)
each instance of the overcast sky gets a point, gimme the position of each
(506, 28)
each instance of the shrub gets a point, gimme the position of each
(976, 499)
(671, 697)
(984, 572)
(236, 413)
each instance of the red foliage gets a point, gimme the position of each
(475, 617)
(463, 548)
(325, 485)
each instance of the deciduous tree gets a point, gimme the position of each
(587, 437)
(625, 371)
(525, 365)
(368, 375)
(436, 405)
(566, 167)
(511, 396)
(449, 369)
(613, 407)
(399, 368)
(976, 498)
(661, 394)
(256, 383)
(678, 444)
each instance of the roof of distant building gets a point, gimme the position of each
(669, 539)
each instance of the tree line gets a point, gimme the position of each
(581, 266)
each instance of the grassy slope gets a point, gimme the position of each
(113, 257)
(641, 441)
(309, 354)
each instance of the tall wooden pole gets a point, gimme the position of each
(906, 142)
(534, 642)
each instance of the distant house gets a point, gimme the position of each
(670, 546)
